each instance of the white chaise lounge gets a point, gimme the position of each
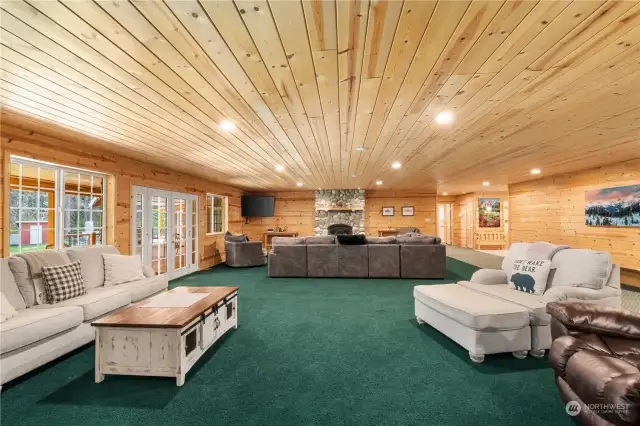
(485, 316)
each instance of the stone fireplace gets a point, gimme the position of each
(339, 206)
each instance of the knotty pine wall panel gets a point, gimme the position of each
(294, 210)
(123, 172)
(552, 209)
(424, 205)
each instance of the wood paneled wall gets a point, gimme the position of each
(124, 172)
(424, 206)
(294, 211)
(552, 209)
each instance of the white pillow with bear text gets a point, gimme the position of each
(530, 276)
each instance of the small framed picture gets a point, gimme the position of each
(388, 211)
(407, 211)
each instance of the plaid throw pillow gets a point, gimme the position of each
(62, 282)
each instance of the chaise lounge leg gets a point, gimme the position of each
(476, 358)
(419, 321)
(520, 354)
(537, 353)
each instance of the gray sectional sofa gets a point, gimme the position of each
(405, 256)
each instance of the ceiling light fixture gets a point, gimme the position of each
(535, 171)
(445, 193)
(361, 148)
(444, 117)
(396, 164)
(299, 183)
(379, 182)
(485, 183)
(279, 168)
(227, 125)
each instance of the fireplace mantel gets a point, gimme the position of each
(340, 209)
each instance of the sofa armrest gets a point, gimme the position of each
(148, 271)
(489, 277)
(582, 294)
(591, 318)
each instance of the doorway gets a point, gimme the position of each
(165, 230)
(444, 223)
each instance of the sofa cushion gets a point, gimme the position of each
(63, 282)
(92, 264)
(8, 286)
(581, 268)
(536, 305)
(472, 309)
(30, 283)
(142, 289)
(516, 251)
(97, 301)
(20, 272)
(287, 241)
(326, 239)
(382, 240)
(31, 325)
(120, 269)
(415, 239)
(352, 240)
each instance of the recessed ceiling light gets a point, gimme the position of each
(299, 183)
(535, 171)
(396, 164)
(444, 117)
(485, 183)
(361, 148)
(445, 193)
(279, 168)
(227, 125)
(378, 182)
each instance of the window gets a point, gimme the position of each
(215, 214)
(54, 207)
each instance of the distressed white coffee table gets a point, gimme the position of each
(166, 334)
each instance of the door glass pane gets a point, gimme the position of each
(180, 233)
(139, 218)
(159, 233)
(194, 223)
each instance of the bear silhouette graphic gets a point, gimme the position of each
(523, 282)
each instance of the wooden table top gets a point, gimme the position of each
(138, 316)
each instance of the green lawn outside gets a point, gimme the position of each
(29, 247)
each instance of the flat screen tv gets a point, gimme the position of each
(258, 205)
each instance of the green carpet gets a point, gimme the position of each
(307, 351)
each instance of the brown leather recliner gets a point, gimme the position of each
(596, 358)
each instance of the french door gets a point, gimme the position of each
(165, 230)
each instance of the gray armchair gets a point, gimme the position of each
(241, 254)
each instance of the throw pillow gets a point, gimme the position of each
(120, 269)
(352, 240)
(6, 310)
(235, 238)
(530, 276)
(62, 282)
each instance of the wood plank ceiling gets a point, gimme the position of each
(532, 84)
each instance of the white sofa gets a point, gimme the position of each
(40, 333)
(576, 275)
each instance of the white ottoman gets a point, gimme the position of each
(479, 323)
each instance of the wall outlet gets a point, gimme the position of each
(524, 220)
(428, 220)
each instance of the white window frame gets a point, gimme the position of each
(210, 198)
(60, 194)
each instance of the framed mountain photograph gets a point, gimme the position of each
(489, 212)
(616, 206)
